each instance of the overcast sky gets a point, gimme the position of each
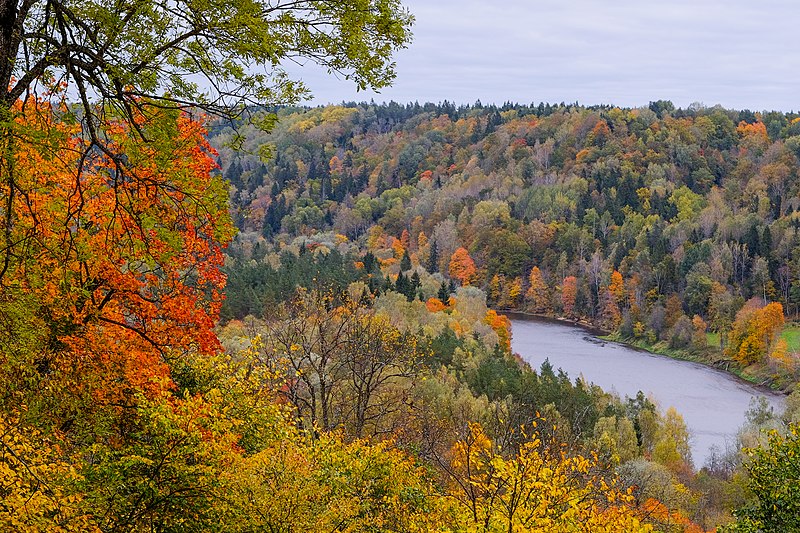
(737, 53)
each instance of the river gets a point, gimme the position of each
(711, 401)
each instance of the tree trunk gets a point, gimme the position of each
(9, 43)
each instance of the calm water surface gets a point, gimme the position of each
(712, 402)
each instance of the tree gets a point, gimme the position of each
(376, 357)
(117, 262)
(772, 477)
(672, 447)
(192, 53)
(754, 332)
(433, 257)
(699, 339)
(610, 314)
(342, 363)
(405, 262)
(538, 294)
(537, 489)
(569, 292)
(674, 310)
(38, 486)
(462, 267)
(502, 326)
(310, 334)
(617, 287)
(444, 292)
(514, 292)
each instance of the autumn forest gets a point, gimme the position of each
(223, 311)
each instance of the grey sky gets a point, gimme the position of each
(741, 54)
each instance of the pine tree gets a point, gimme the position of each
(433, 257)
(444, 292)
(405, 262)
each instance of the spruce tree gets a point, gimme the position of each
(405, 262)
(433, 258)
(444, 292)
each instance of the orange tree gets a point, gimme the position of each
(111, 263)
(754, 332)
(462, 267)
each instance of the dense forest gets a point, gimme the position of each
(674, 228)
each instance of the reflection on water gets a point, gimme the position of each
(712, 402)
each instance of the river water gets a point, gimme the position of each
(711, 401)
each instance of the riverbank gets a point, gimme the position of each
(757, 375)
(712, 402)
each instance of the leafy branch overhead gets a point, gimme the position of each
(217, 54)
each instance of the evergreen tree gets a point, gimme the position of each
(370, 262)
(753, 241)
(405, 262)
(444, 292)
(415, 281)
(433, 257)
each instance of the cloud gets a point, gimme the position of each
(624, 52)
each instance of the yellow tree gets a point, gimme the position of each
(538, 294)
(514, 292)
(38, 488)
(533, 491)
(754, 332)
(617, 287)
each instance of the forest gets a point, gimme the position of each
(223, 312)
(673, 228)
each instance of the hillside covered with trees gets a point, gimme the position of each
(206, 327)
(675, 228)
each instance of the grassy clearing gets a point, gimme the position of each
(791, 334)
(712, 339)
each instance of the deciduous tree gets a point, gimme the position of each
(754, 332)
(531, 491)
(462, 267)
(773, 479)
(199, 53)
(569, 292)
(538, 295)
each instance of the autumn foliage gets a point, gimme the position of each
(569, 291)
(462, 267)
(502, 326)
(534, 490)
(121, 253)
(755, 332)
(538, 294)
(110, 256)
(351, 410)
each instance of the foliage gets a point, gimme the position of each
(538, 293)
(773, 479)
(533, 491)
(38, 488)
(118, 262)
(754, 332)
(462, 267)
(192, 52)
(680, 211)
